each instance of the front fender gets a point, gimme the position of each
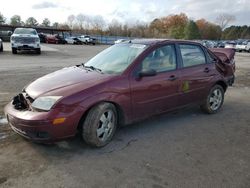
(121, 101)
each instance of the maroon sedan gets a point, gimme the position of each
(51, 39)
(125, 83)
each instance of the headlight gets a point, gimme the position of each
(13, 39)
(45, 103)
(37, 40)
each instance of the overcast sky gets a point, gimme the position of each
(126, 10)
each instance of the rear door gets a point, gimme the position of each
(196, 73)
(158, 93)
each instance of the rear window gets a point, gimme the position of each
(192, 55)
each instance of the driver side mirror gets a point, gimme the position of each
(146, 73)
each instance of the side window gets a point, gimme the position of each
(211, 57)
(162, 59)
(192, 55)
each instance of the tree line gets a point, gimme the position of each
(177, 26)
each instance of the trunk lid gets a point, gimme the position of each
(226, 61)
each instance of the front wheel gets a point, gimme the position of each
(38, 51)
(100, 125)
(214, 100)
(14, 50)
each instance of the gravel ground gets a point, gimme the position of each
(181, 149)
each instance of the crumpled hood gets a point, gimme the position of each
(65, 82)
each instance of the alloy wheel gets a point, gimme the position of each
(106, 125)
(215, 99)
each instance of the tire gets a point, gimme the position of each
(38, 51)
(100, 125)
(1, 48)
(214, 100)
(14, 50)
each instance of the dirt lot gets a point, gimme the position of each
(182, 149)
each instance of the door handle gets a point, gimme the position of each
(206, 70)
(172, 78)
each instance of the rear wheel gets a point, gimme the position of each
(214, 100)
(1, 48)
(14, 50)
(100, 125)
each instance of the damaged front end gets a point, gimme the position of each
(22, 101)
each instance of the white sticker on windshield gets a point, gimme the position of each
(141, 46)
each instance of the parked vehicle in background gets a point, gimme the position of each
(221, 44)
(51, 39)
(86, 39)
(25, 39)
(230, 44)
(119, 41)
(209, 44)
(241, 46)
(73, 40)
(124, 83)
(5, 35)
(248, 47)
(60, 39)
(70, 40)
(1, 45)
(42, 37)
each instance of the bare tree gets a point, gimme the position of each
(46, 22)
(2, 19)
(115, 27)
(224, 19)
(98, 23)
(80, 20)
(71, 19)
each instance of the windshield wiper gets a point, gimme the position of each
(92, 68)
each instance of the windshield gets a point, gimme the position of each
(115, 59)
(25, 31)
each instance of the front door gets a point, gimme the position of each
(155, 94)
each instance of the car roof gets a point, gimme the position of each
(27, 28)
(154, 41)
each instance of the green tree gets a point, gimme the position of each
(31, 21)
(46, 22)
(2, 18)
(208, 31)
(245, 34)
(16, 20)
(177, 32)
(192, 31)
(214, 32)
(232, 33)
